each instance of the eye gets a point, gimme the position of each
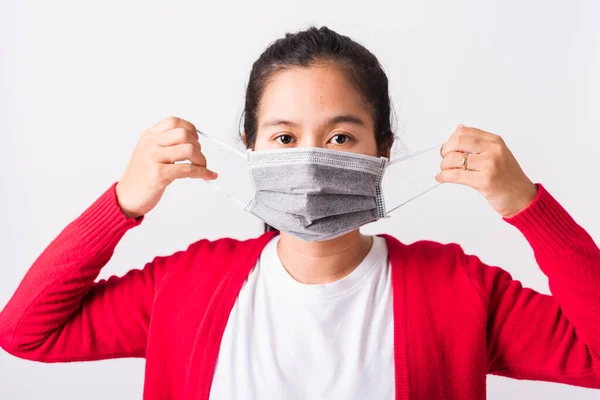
(340, 138)
(284, 139)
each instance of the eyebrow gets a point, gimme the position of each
(348, 118)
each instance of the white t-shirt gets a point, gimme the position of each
(288, 340)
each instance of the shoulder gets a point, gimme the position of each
(443, 264)
(425, 250)
(206, 257)
(228, 247)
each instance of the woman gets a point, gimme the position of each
(324, 312)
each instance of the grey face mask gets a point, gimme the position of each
(317, 194)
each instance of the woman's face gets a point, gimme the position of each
(314, 107)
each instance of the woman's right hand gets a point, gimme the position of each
(152, 166)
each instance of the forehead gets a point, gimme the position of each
(310, 92)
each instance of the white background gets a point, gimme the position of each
(80, 81)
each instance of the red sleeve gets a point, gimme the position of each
(540, 337)
(59, 313)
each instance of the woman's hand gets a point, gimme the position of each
(152, 166)
(491, 169)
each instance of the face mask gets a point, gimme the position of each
(316, 194)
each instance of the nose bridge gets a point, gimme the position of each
(313, 136)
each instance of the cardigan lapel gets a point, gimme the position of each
(239, 262)
(398, 253)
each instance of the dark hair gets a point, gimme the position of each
(316, 46)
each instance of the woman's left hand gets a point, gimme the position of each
(491, 169)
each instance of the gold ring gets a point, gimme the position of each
(464, 160)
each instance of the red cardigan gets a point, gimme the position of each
(455, 318)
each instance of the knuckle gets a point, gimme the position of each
(180, 135)
(447, 148)
(499, 149)
(187, 168)
(188, 149)
(173, 121)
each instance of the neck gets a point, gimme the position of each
(323, 262)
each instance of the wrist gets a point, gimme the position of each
(127, 212)
(529, 196)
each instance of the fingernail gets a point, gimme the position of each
(460, 126)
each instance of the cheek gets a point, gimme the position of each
(262, 142)
(368, 147)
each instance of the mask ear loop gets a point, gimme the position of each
(412, 198)
(222, 144)
(408, 157)
(411, 155)
(233, 150)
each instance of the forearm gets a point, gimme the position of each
(54, 286)
(570, 258)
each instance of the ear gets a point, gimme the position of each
(387, 153)
(243, 135)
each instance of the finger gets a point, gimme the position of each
(460, 176)
(469, 131)
(171, 123)
(454, 159)
(171, 172)
(177, 136)
(181, 152)
(463, 143)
